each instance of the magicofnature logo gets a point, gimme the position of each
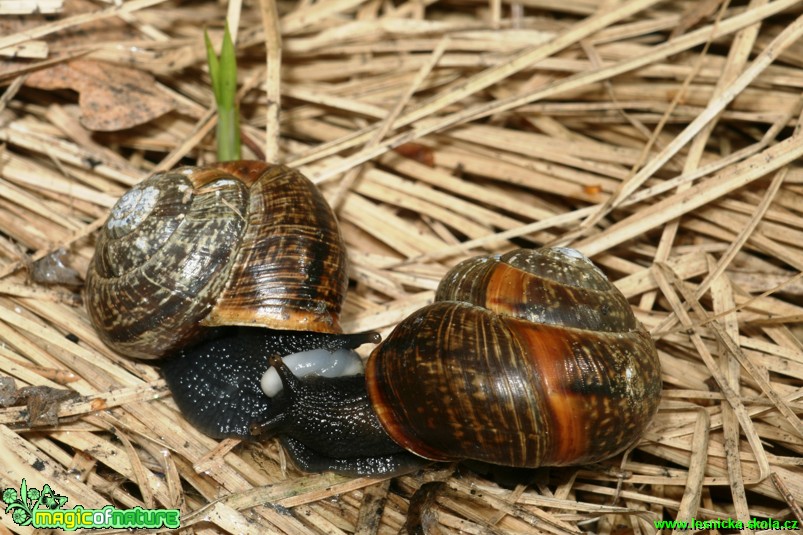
(43, 509)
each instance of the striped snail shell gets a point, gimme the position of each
(533, 358)
(237, 243)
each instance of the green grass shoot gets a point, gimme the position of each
(223, 71)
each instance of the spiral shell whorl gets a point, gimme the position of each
(448, 400)
(129, 298)
(536, 285)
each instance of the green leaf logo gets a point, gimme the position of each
(21, 504)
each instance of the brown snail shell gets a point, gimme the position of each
(544, 365)
(235, 243)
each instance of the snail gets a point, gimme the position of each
(527, 359)
(199, 253)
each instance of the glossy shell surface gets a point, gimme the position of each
(237, 243)
(546, 365)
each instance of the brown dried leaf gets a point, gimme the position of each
(111, 97)
(52, 269)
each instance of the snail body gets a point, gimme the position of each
(572, 378)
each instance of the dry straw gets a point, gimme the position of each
(660, 137)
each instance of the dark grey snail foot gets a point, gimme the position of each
(394, 464)
(219, 396)
(216, 382)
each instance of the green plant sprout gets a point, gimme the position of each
(223, 71)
